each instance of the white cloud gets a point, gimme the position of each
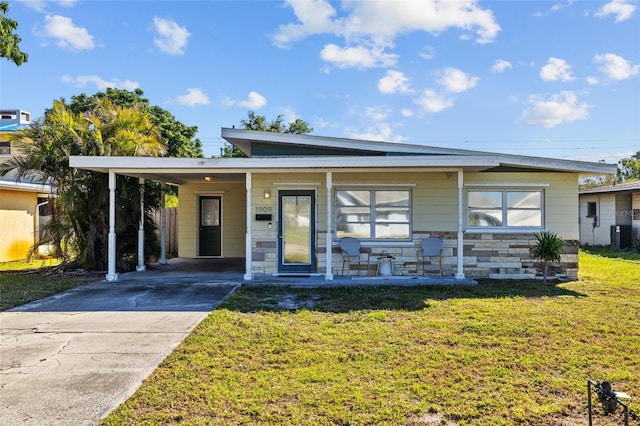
(99, 82)
(556, 70)
(254, 101)
(171, 37)
(193, 97)
(40, 5)
(406, 112)
(500, 65)
(393, 82)
(558, 109)
(377, 132)
(377, 113)
(622, 9)
(592, 80)
(616, 67)
(359, 57)
(428, 53)
(68, 35)
(431, 101)
(456, 81)
(368, 27)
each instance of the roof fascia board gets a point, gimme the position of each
(164, 164)
(557, 164)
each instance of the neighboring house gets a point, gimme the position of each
(23, 204)
(610, 215)
(286, 207)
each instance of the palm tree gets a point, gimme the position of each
(79, 221)
(548, 248)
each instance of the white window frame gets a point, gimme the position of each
(372, 207)
(505, 210)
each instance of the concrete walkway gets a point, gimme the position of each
(72, 358)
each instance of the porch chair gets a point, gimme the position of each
(351, 254)
(431, 247)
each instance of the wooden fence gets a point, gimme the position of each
(171, 232)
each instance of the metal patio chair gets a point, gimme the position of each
(351, 255)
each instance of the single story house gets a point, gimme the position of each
(610, 215)
(23, 203)
(286, 206)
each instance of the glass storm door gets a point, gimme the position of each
(210, 235)
(296, 232)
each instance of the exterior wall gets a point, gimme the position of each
(612, 209)
(487, 253)
(17, 223)
(635, 217)
(233, 196)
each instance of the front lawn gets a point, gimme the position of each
(24, 281)
(500, 353)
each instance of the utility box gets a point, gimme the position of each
(621, 236)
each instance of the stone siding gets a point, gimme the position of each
(486, 255)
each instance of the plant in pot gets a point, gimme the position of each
(548, 248)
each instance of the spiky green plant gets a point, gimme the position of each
(548, 248)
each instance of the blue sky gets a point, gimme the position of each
(543, 78)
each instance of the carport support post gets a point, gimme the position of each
(248, 243)
(460, 260)
(141, 266)
(111, 271)
(163, 224)
(328, 275)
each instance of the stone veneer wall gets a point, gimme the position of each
(486, 255)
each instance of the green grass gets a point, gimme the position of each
(500, 353)
(24, 281)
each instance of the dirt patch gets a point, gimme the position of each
(290, 302)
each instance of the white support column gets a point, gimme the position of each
(163, 224)
(141, 266)
(459, 269)
(111, 271)
(329, 272)
(248, 275)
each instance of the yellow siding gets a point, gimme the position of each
(17, 224)
(561, 197)
(233, 217)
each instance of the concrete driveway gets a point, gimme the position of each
(72, 358)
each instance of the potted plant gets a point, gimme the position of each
(548, 248)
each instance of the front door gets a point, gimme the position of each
(296, 231)
(210, 235)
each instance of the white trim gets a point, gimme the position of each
(248, 274)
(111, 268)
(460, 239)
(141, 266)
(375, 184)
(329, 242)
(507, 184)
(297, 184)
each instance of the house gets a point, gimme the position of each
(23, 203)
(286, 207)
(610, 215)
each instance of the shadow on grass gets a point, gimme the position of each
(347, 299)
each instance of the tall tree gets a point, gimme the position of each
(260, 123)
(79, 226)
(9, 41)
(179, 138)
(629, 169)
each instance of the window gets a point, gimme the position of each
(373, 214)
(5, 148)
(505, 209)
(592, 209)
